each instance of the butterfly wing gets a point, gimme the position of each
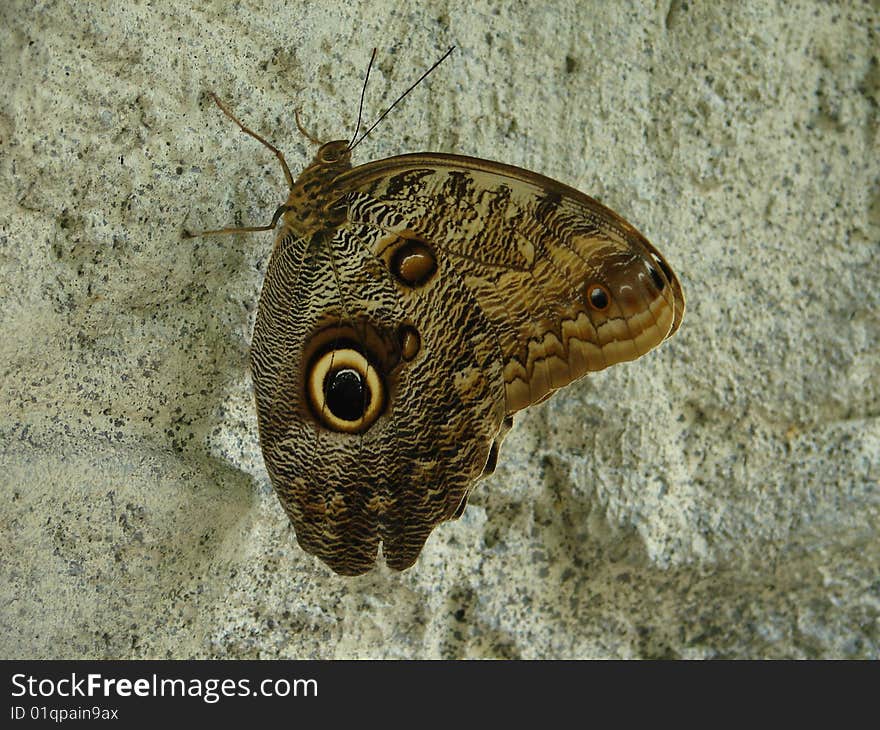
(434, 404)
(568, 285)
(390, 349)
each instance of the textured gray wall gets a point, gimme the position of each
(718, 497)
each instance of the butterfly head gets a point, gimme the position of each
(333, 155)
(307, 210)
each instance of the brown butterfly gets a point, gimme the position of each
(410, 307)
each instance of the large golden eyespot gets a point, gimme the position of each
(345, 390)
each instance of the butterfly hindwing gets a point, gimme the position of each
(442, 402)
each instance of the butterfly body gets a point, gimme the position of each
(411, 306)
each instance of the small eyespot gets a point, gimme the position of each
(345, 391)
(656, 278)
(598, 297)
(413, 263)
(410, 342)
(663, 267)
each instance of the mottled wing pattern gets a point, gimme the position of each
(531, 251)
(472, 289)
(412, 468)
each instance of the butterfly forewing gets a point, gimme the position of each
(534, 252)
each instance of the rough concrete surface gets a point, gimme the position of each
(717, 498)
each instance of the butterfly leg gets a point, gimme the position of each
(278, 153)
(303, 131)
(281, 210)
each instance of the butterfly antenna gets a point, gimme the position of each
(396, 101)
(361, 105)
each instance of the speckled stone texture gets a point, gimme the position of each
(717, 498)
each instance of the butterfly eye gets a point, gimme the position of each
(332, 152)
(598, 297)
(345, 391)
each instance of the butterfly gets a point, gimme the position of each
(411, 306)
